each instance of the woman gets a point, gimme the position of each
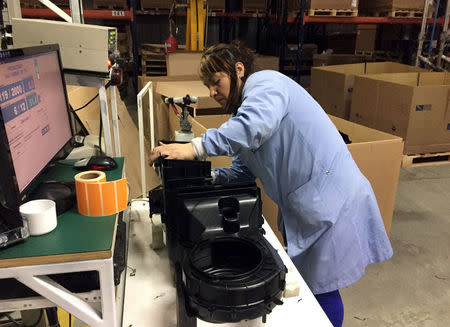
(328, 213)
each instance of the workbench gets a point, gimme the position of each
(78, 244)
(150, 295)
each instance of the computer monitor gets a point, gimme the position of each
(35, 118)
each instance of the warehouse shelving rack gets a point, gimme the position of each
(280, 17)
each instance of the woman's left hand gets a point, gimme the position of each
(172, 151)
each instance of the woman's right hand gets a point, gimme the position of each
(175, 151)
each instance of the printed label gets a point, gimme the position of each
(423, 107)
(119, 13)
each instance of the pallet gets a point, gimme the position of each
(153, 60)
(387, 56)
(156, 11)
(429, 159)
(333, 12)
(146, 71)
(253, 10)
(216, 10)
(364, 53)
(110, 5)
(399, 13)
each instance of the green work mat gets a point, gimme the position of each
(74, 233)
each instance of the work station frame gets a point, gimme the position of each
(78, 244)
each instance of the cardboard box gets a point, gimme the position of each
(339, 59)
(253, 5)
(378, 156)
(216, 5)
(341, 42)
(182, 63)
(161, 110)
(294, 5)
(332, 86)
(155, 4)
(392, 4)
(365, 38)
(414, 106)
(332, 4)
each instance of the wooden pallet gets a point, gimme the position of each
(399, 13)
(429, 159)
(253, 10)
(110, 5)
(364, 53)
(216, 10)
(153, 59)
(153, 71)
(333, 12)
(157, 11)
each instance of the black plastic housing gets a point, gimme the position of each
(226, 271)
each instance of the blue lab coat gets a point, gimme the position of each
(327, 207)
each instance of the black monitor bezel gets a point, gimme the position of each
(10, 196)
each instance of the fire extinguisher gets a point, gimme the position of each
(171, 43)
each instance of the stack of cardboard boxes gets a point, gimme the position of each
(402, 100)
(333, 86)
(392, 8)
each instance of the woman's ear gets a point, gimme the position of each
(240, 70)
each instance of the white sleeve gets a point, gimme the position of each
(199, 149)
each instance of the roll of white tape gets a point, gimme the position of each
(40, 215)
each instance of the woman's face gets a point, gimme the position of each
(219, 87)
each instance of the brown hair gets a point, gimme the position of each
(223, 58)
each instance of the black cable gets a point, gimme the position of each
(100, 134)
(70, 320)
(11, 319)
(90, 101)
(75, 110)
(52, 317)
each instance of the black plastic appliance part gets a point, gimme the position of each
(225, 270)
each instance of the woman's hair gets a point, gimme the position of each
(223, 58)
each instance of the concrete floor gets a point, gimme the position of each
(412, 288)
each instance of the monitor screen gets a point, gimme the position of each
(34, 110)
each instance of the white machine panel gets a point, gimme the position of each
(83, 47)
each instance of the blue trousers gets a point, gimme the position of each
(332, 304)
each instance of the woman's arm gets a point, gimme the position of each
(236, 173)
(264, 105)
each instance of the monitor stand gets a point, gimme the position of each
(12, 228)
(63, 193)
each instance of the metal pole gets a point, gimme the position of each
(422, 32)
(300, 34)
(61, 13)
(283, 35)
(76, 10)
(444, 35)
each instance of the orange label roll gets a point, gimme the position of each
(97, 197)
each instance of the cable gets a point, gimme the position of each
(75, 110)
(100, 134)
(175, 110)
(11, 319)
(90, 101)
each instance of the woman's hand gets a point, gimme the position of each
(172, 151)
